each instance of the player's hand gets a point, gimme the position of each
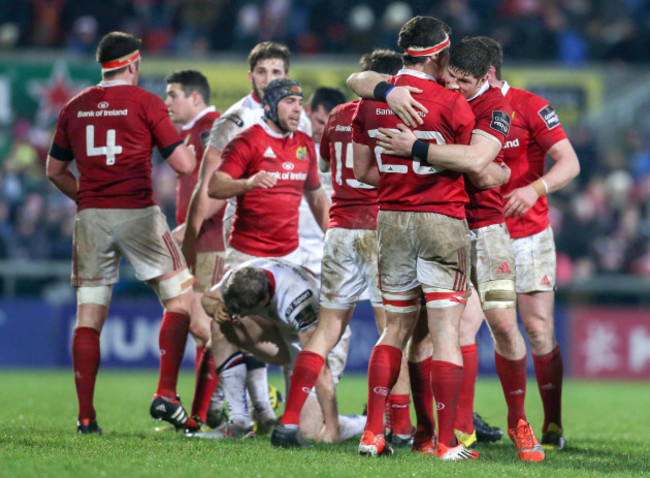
(324, 435)
(261, 179)
(214, 306)
(400, 99)
(396, 143)
(520, 200)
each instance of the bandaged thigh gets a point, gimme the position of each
(498, 294)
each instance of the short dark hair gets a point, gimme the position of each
(421, 31)
(115, 45)
(383, 61)
(191, 81)
(470, 56)
(326, 97)
(245, 288)
(496, 54)
(269, 50)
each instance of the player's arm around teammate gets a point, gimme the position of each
(370, 84)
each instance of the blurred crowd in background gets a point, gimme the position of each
(601, 221)
(568, 31)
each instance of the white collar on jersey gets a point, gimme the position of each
(416, 73)
(270, 132)
(191, 124)
(483, 89)
(113, 83)
(504, 88)
(251, 102)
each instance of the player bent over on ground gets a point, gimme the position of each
(117, 217)
(269, 168)
(269, 308)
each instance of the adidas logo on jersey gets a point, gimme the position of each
(504, 269)
(545, 280)
(269, 153)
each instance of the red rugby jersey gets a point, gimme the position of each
(196, 134)
(534, 130)
(266, 220)
(493, 117)
(354, 204)
(111, 129)
(407, 185)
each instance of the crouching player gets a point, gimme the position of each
(269, 308)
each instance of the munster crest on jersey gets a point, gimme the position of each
(301, 152)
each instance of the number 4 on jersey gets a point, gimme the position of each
(110, 150)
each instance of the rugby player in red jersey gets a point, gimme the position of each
(492, 255)
(535, 134)
(188, 96)
(267, 61)
(110, 130)
(268, 167)
(423, 239)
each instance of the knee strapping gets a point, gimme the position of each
(94, 295)
(173, 286)
(401, 304)
(437, 298)
(498, 294)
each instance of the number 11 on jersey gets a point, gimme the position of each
(110, 150)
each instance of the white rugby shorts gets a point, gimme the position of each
(103, 236)
(492, 257)
(349, 268)
(422, 248)
(535, 261)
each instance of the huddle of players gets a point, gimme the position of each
(418, 209)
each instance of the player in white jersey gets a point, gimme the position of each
(269, 307)
(311, 235)
(267, 61)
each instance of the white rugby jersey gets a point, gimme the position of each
(311, 235)
(295, 297)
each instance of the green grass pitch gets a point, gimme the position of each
(607, 425)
